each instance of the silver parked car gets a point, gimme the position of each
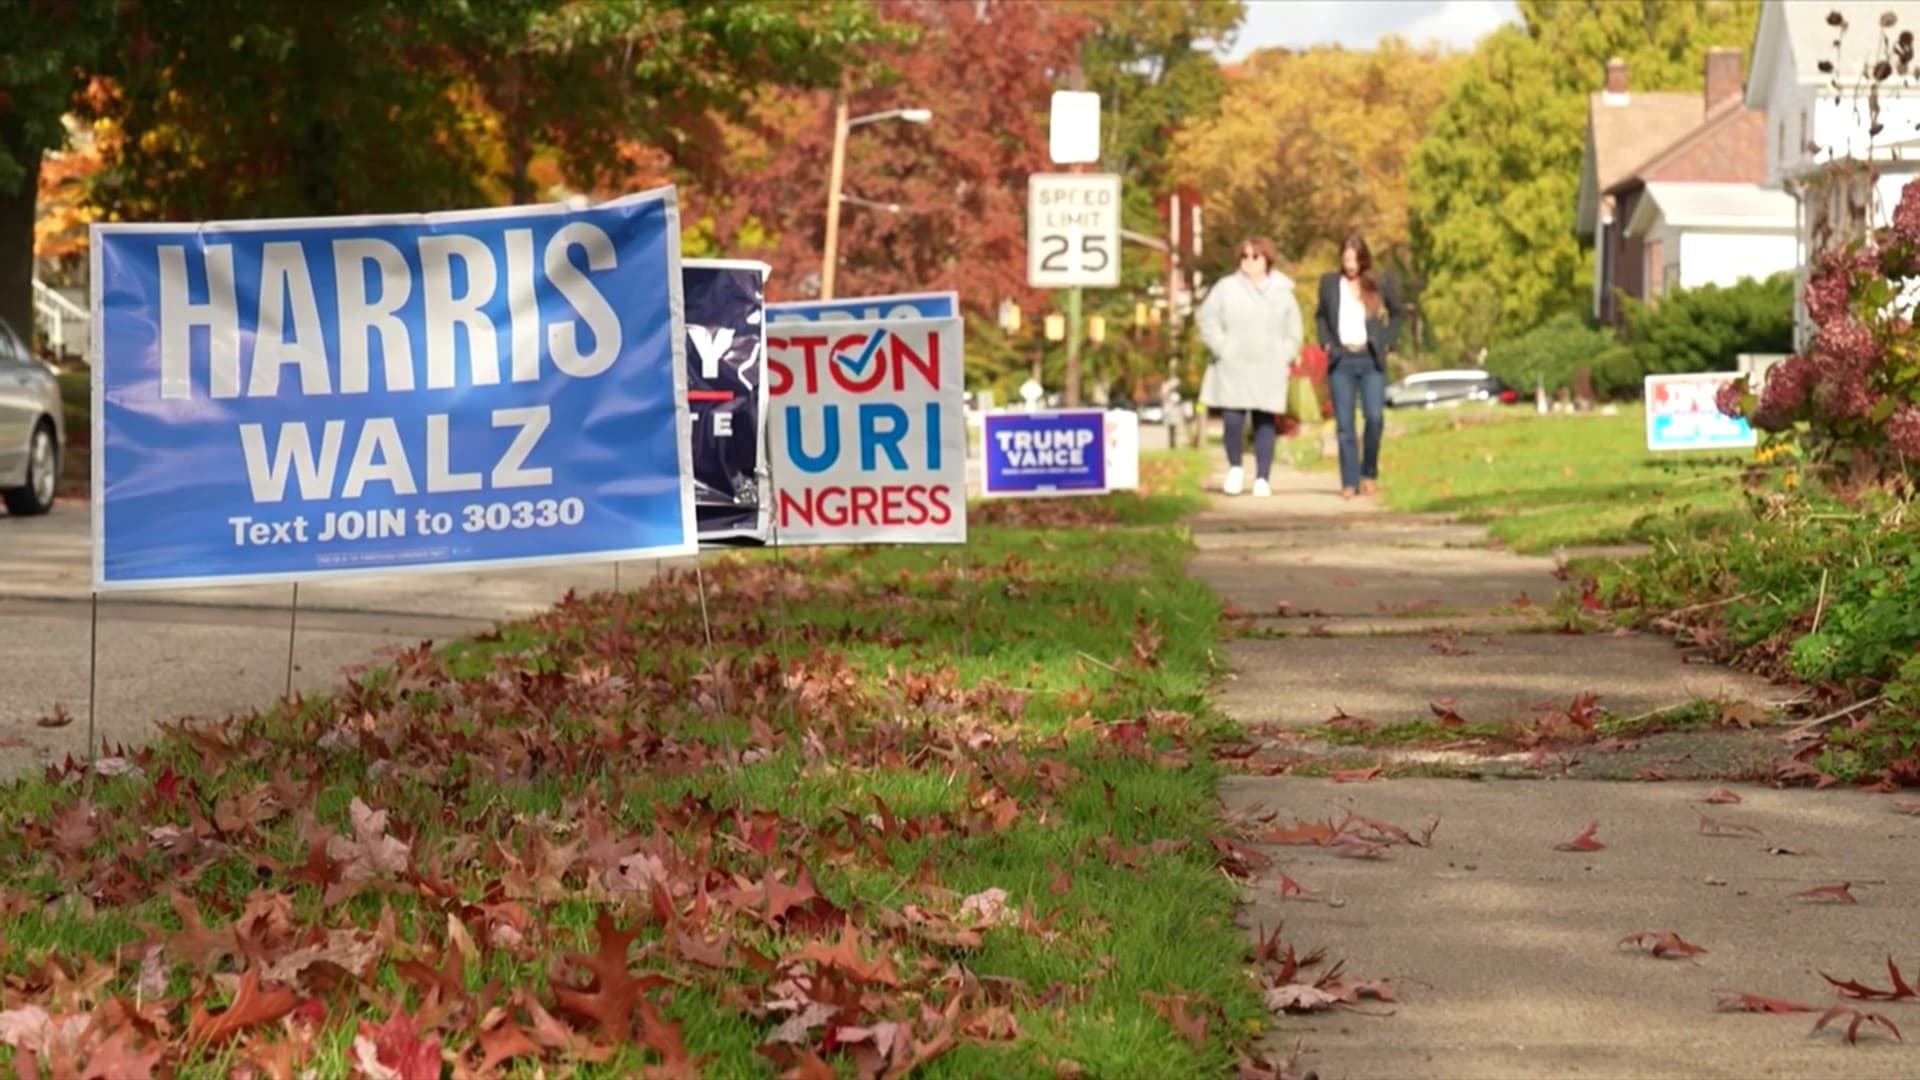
(1426, 389)
(33, 428)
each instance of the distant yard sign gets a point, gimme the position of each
(1044, 452)
(1681, 414)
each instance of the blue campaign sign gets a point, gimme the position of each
(292, 399)
(922, 305)
(1053, 452)
(727, 393)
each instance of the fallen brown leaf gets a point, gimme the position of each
(252, 1004)
(1901, 991)
(395, 1049)
(1299, 998)
(1855, 1018)
(1584, 841)
(1290, 887)
(1719, 827)
(1186, 1014)
(1754, 1003)
(1662, 943)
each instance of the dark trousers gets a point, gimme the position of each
(1351, 376)
(1234, 429)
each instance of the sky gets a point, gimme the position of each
(1358, 24)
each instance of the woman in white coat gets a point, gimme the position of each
(1251, 324)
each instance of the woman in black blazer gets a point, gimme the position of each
(1357, 321)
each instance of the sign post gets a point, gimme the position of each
(1073, 241)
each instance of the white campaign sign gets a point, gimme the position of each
(1123, 450)
(867, 437)
(1073, 230)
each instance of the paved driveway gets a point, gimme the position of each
(210, 652)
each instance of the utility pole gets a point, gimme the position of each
(1076, 80)
(834, 175)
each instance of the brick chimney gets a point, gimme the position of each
(1723, 76)
(1616, 76)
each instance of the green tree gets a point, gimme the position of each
(284, 108)
(289, 107)
(49, 48)
(1145, 62)
(1495, 180)
(584, 80)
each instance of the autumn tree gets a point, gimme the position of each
(49, 48)
(1308, 146)
(288, 107)
(283, 108)
(1494, 181)
(294, 108)
(596, 84)
(986, 70)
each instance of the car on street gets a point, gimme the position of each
(1426, 389)
(32, 428)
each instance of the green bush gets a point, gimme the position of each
(1617, 372)
(1549, 353)
(1822, 592)
(1703, 329)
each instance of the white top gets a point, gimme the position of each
(1353, 315)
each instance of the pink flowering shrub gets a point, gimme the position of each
(1852, 396)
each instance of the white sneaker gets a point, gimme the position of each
(1232, 486)
(1261, 490)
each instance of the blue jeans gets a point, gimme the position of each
(1353, 375)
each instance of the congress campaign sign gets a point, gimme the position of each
(1681, 414)
(727, 393)
(923, 305)
(1056, 452)
(280, 400)
(866, 433)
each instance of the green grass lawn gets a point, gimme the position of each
(1541, 482)
(909, 805)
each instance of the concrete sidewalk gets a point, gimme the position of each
(166, 654)
(1504, 951)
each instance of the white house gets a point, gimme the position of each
(1671, 189)
(1713, 233)
(1813, 79)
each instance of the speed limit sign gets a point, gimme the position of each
(1073, 230)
